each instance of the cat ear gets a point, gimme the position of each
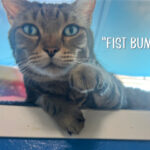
(85, 7)
(13, 8)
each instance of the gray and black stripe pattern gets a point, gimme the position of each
(53, 47)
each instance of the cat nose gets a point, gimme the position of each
(51, 51)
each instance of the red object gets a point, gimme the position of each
(11, 85)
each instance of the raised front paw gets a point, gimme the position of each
(85, 78)
(71, 120)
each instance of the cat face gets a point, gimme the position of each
(49, 39)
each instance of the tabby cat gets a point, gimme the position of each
(53, 47)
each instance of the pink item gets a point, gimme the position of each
(11, 85)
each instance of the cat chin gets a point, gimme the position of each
(52, 72)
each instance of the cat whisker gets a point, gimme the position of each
(24, 69)
(69, 60)
(68, 52)
(79, 61)
(34, 57)
(68, 56)
(22, 63)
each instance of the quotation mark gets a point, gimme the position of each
(104, 38)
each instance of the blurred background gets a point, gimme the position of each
(112, 18)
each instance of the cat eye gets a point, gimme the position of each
(30, 30)
(71, 30)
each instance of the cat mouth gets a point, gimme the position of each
(51, 64)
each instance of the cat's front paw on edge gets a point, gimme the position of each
(72, 122)
(84, 78)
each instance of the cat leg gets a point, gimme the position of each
(67, 115)
(104, 89)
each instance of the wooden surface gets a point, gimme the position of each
(19, 121)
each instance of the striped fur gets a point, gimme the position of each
(72, 79)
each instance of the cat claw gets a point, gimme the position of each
(69, 132)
